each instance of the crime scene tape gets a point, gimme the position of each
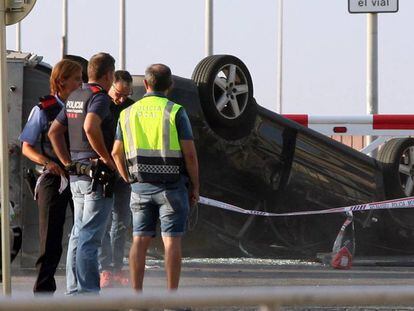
(389, 204)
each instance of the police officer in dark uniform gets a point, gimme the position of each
(111, 255)
(89, 122)
(66, 77)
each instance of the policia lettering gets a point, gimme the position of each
(149, 111)
(74, 106)
(151, 144)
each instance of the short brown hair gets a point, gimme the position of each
(62, 71)
(158, 77)
(81, 61)
(99, 65)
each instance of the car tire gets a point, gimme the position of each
(226, 93)
(15, 243)
(397, 158)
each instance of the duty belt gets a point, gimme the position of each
(98, 171)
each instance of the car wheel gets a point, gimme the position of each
(397, 158)
(15, 243)
(226, 92)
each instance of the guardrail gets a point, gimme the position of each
(266, 298)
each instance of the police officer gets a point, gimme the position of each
(154, 149)
(66, 77)
(81, 61)
(89, 123)
(112, 252)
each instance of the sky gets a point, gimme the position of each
(324, 52)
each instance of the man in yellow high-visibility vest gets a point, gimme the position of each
(154, 150)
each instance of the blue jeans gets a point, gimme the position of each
(91, 215)
(111, 254)
(170, 205)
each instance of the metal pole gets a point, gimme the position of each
(208, 37)
(18, 37)
(4, 160)
(122, 34)
(64, 27)
(280, 58)
(372, 66)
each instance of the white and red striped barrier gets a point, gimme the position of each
(377, 124)
(389, 204)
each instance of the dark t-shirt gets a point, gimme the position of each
(116, 109)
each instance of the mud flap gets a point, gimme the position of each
(344, 246)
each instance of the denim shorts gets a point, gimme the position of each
(170, 205)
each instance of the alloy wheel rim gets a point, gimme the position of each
(406, 170)
(230, 91)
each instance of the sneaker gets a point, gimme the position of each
(121, 277)
(106, 279)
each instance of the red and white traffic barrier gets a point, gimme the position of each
(377, 124)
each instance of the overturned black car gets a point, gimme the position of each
(259, 160)
(249, 157)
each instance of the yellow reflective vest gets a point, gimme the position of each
(151, 145)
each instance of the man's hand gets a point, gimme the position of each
(119, 158)
(54, 168)
(110, 163)
(191, 164)
(92, 128)
(193, 195)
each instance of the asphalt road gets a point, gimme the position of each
(207, 274)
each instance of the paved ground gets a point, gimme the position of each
(207, 274)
